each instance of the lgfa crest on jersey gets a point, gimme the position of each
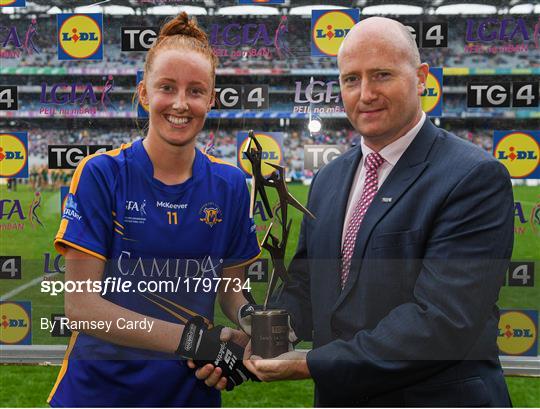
(211, 214)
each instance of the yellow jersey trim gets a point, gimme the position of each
(244, 263)
(60, 246)
(118, 224)
(72, 190)
(216, 160)
(65, 363)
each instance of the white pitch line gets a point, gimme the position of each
(23, 287)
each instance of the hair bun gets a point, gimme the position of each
(181, 33)
(182, 25)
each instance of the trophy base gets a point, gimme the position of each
(270, 333)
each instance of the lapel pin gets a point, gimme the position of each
(386, 199)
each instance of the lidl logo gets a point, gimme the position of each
(13, 155)
(432, 96)
(142, 110)
(12, 3)
(329, 28)
(15, 323)
(518, 331)
(272, 151)
(80, 36)
(519, 151)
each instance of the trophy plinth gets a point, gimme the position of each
(270, 333)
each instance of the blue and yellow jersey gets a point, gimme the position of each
(148, 231)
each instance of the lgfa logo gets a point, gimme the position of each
(520, 216)
(329, 28)
(432, 96)
(14, 155)
(493, 29)
(12, 214)
(272, 151)
(15, 323)
(519, 151)
(80, 36)
(75, 93)
(12, 46)
(518, 332)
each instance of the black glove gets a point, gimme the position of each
(204, 346)
(244, 316)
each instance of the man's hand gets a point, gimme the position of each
(288, 366)
(211, 374)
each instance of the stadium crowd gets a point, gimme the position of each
(293, 50)
(221, 143)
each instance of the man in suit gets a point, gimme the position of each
(397, 278)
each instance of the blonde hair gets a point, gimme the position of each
(182, 33)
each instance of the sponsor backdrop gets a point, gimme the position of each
(68, 90)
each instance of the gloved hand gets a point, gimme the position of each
(204, 346)
(244, 320)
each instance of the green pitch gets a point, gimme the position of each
(30, 385)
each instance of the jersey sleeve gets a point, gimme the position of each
(244, 246)
(87, 218)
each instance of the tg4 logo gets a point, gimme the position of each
(429, 35)
(518, 94)
(9, 98)
(242, 97)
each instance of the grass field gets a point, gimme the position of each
(29, 385)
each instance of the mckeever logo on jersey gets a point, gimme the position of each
(172, 206)
(150, 232)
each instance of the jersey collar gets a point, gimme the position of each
(142, 158)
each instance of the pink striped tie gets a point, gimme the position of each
(372, 163)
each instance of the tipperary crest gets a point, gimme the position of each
(210, 214)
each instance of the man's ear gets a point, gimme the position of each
(422, 74)
(143, 93)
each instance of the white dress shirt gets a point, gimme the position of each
(391, 154)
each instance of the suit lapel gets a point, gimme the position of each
(406, 171)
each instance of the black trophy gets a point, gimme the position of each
(270, 327)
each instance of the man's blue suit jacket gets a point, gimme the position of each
(416, 324)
